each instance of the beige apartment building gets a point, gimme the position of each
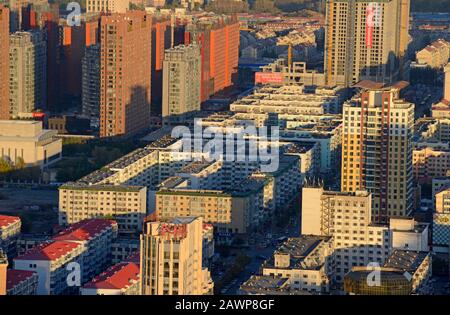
(365, 39)
(111, 6)
(181, 83)
(20, 139)
(430, 160)
(435, 55)
(442, 198)
(126, 204)
(442, 109)
(377, 148)
(28, 74)
(171, 258)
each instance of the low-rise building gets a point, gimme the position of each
(27, 141)
(430, 160)
(51, 261)
(120, 279)
(435, 55)
(404, 273)
(306, 261)
(408, 234)
(9, 233)
(21, 282)
(268, 285)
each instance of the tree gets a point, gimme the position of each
(5, 165)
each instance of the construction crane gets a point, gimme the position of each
(290, 52)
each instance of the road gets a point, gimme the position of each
(254, 253)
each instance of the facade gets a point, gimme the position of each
(181, 84)
(125, 72)
(218, 38)
(365, 40)
(435, 55)
(306, 261)
(28, 61)
(9, 233)
(96, 237)
(346, 217)
(111, 6)
(442, 109)
(430, 160)
(441, 218)
(50, 261)
(4, 62)
(377, 149)
(28, 141)
(3, 272)
(90, 97)
(127, 205)
(21, 282)
(408, 234)
(171, 258)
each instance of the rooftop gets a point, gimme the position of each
(49, 251)
(85, 230)
(117, 277)
(6, 220)
(405, 260)
(15, 277)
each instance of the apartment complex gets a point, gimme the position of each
(442, 109)
(365, 40)
(125, 67)
(181, 84)
(171, 258)
(86, 245)
(26, 140)
(288, 101)
(218, 38)
(235, 196)
(377, 148)
(4, 62)
(28, 60)
(107, 6)
(435, 55)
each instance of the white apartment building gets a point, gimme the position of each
(306, 261)
(9, 232)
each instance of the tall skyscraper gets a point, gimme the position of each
(365, 39)
(218, 38)
(171, 258)
(377, 149)
(74, 40)
(4, 62)
(181, 83)
(125, 63)
(90, 82)
(28, 62)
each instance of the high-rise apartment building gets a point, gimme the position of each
(28, 62)
(171, 258)
(125, 63)
(377, 149)
(181, 83)
(90, 84)
(218, 38)
(112, 6)
(4, 62)
(365, 39)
